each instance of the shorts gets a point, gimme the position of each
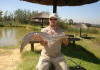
(58, 62)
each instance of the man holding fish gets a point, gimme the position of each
(51, 52)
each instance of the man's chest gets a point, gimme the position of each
(53, 31)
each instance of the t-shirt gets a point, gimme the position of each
(52, 49)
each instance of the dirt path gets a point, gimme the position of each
(9, 59)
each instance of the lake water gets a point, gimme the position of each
(10, 36)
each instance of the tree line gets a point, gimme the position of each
(20, 16)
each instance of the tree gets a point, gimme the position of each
(5, 17)
(1, 15)
(70, 21)
(19, 15)
(88, 24)
(24, 16)
(62, 22)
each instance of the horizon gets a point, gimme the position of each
(88, 13)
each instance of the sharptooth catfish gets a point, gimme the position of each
(43, 36)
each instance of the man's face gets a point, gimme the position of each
(53, 21)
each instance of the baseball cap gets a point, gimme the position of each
(53, 15)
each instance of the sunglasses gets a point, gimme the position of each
(53, 19)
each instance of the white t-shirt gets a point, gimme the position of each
(52, 49)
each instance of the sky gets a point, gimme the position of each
(89, 13)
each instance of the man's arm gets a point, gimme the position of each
(43, 42)
(65, 40)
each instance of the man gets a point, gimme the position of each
(52, 53)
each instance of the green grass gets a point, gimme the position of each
(91, 30)
(81, 55)
(30, 60)
(78, 53)
(86, 52)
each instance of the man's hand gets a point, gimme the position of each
(43, 43)
(37, 38)
(65, 41)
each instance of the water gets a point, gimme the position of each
(10, 36)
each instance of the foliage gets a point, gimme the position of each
(89, 25)
(70, 21)
(1, 15)
(63, 23)
(77, 30)
(17, 17)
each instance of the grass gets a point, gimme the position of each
(29, 61)
(91, 30)
(81, 55)
(86, 53)
(92, 46)
(3, 52)
(78, 53)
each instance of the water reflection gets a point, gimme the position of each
(8, 38)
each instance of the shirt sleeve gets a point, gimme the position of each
(43, 30)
